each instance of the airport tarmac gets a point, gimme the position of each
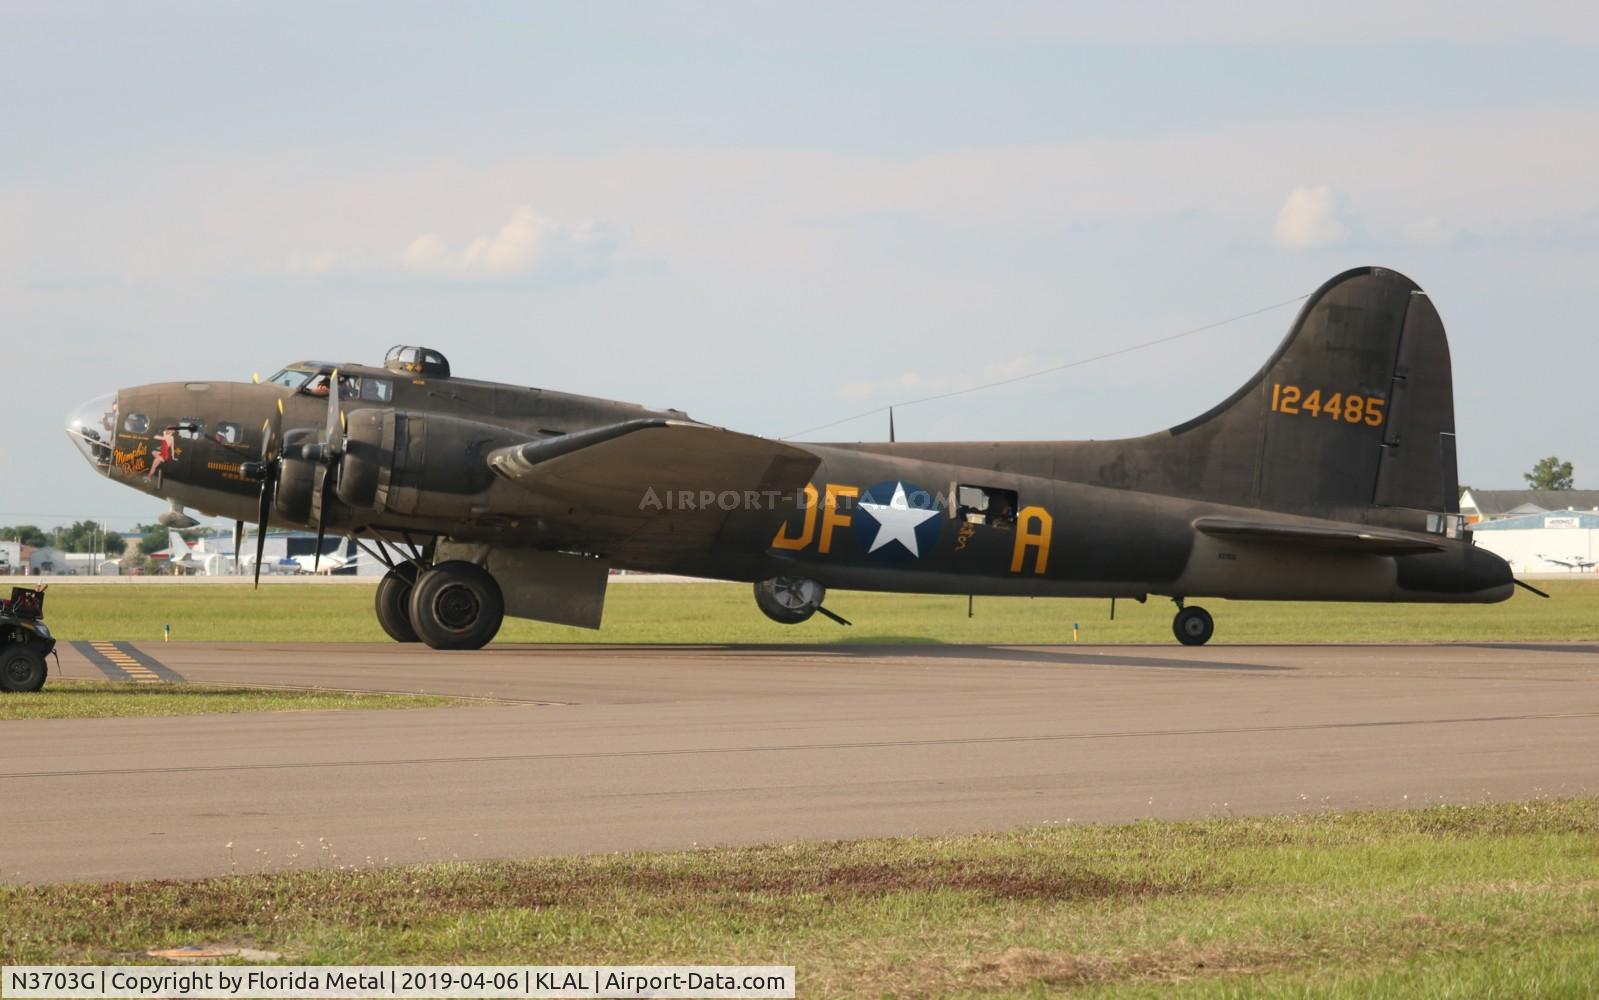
(578, 749)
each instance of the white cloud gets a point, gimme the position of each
(1309, 219)
(528, 247)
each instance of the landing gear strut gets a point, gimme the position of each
(1192, 626)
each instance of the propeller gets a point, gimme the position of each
(265, 472)
(295, 444)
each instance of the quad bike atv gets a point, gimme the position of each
(24, 641)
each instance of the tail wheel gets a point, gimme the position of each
(22, 669)
(789, 600)
(1193, 626)
(456, 605)
(394, 602)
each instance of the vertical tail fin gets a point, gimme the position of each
(1354, 410)
(1351, 418)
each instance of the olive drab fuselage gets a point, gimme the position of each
(1328, 476)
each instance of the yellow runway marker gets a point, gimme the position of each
(135, 670)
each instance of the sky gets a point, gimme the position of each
(774, 216)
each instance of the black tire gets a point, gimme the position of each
(1193, 626)
(789, 600)
(22, 669)
(394, 603)
(456, 605)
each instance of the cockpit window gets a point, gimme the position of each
(291, 378)
(318, 386)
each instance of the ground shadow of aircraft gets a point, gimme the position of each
(1329, 475)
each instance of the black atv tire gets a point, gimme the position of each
(22, 669)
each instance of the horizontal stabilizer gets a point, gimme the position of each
(1364, 541)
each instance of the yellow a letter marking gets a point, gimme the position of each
(1034, 529)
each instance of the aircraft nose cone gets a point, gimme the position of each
(92, 427)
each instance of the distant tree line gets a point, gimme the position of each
(83, 536)
(87, 536)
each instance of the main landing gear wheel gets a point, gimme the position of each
(22, 669)
(394, 602)
(456, 605)
(789, 600)
(1193, 626)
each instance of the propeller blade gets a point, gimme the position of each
(268, 485)
(325, 477)
(335, 428)
(238, 544)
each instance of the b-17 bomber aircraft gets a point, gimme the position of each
(1328, 476)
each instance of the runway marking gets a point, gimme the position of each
(150, 663)
(122, 661)
(791, 747)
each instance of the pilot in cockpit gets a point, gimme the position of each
(318, 386)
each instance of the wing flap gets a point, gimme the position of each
(1365, 541)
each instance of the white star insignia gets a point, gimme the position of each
(897, 520)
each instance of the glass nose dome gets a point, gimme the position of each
(93, 428)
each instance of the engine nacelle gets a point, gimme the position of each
(296, 479)
(402, 462)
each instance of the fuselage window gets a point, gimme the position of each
(229, 433)
(136, 423)
(377, 390)
(190, 428)
(988, 505)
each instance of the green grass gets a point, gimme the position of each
(78, 699)
(725, 613)
(1459, 901)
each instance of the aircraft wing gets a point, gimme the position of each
(635, 475)
(1359, 540)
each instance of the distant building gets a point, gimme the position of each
(290, 552)
(1561, 541)
(89, 564)
(1490, 505)
(46, 560)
